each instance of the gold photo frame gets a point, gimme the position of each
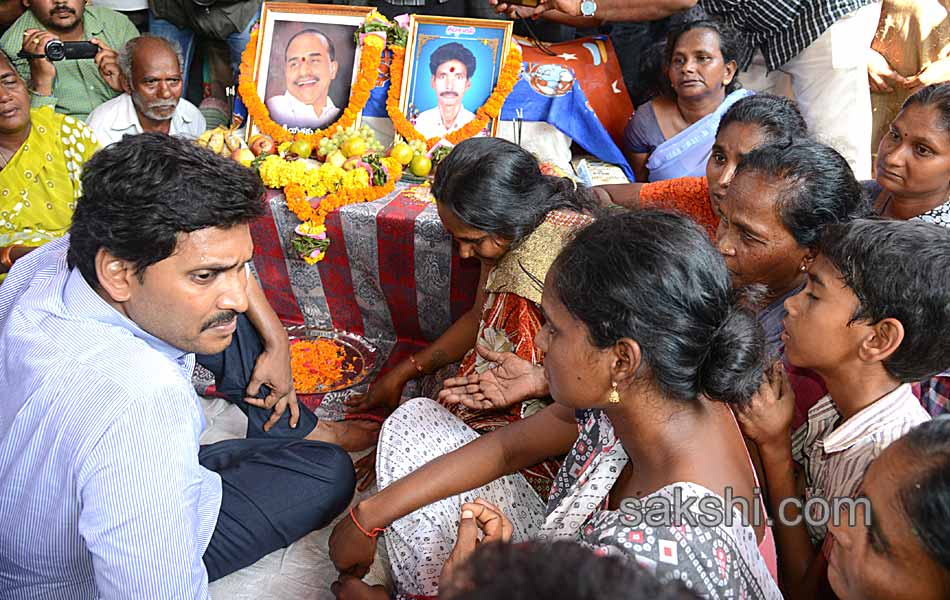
(306, 62)
(446, 75)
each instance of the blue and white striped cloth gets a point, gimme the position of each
(101, 493)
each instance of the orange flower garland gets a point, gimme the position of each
(486, 112)
(365, 82)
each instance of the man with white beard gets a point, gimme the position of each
(151, 68)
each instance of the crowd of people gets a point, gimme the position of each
(727, 379)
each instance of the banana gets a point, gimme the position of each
(232, 141)
(216, 142)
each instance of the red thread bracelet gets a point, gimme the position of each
(370, 534)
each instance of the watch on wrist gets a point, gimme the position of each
(588, 8)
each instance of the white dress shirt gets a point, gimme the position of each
(112, 120)
(429, 122)
(102, 495)
(290, 112)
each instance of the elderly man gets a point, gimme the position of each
(309, 68)
(452, 67)
(73, 87)
(106, 491)
(151, 68)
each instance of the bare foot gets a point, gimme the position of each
(352, 435)
(351, 588)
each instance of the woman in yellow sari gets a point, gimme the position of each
(41, 159)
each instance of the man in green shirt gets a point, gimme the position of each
(72, 87)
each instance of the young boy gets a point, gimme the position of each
(873, 317)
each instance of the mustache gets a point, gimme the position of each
(60, 9)
(222, 318)
(449, 95)
(162, 104)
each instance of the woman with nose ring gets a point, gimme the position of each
(500, 208)
(672, 135)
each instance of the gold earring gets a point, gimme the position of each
(614, 397)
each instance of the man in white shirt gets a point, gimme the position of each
(452, 67)
(152, 100)
(309, 68)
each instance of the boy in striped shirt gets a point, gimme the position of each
(870, 321)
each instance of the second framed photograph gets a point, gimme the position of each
(307, 63)
(452, 66)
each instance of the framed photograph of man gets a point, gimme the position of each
(452, 66)
(307, 61)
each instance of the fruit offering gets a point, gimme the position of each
(352, 141)
(221, 141)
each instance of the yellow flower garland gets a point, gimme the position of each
(486, 112)
(359, 94)
(337, 187)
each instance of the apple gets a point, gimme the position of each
(243, 156)
(336, 158)
(261, 144)
(402, 153)
(420, 165)
(302, 148)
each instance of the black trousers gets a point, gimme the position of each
(276, 487)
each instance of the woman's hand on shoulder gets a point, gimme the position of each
(511, 381)
(767, 418)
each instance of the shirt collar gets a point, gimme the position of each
(877, 416)
(92, 25)
(307, 109)
(81, 300)
(126, 118)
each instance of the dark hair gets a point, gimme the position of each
(497, 187)
(926, 497)
(730, 44)
(331, 50)
(777, 117)
(936, 95)
(453, 51)
(655, 277)
(563, 569)
(895, 269)
(816, 186)
(141, 192)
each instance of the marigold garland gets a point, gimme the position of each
(370, 60)
(485, 113)
(337, 187)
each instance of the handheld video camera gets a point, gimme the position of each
(56, 50)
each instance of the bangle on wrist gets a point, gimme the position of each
(370, 534)
(415, 363)
(5, 258)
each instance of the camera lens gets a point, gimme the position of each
(55, 50)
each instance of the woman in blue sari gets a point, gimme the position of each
(672, 135)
